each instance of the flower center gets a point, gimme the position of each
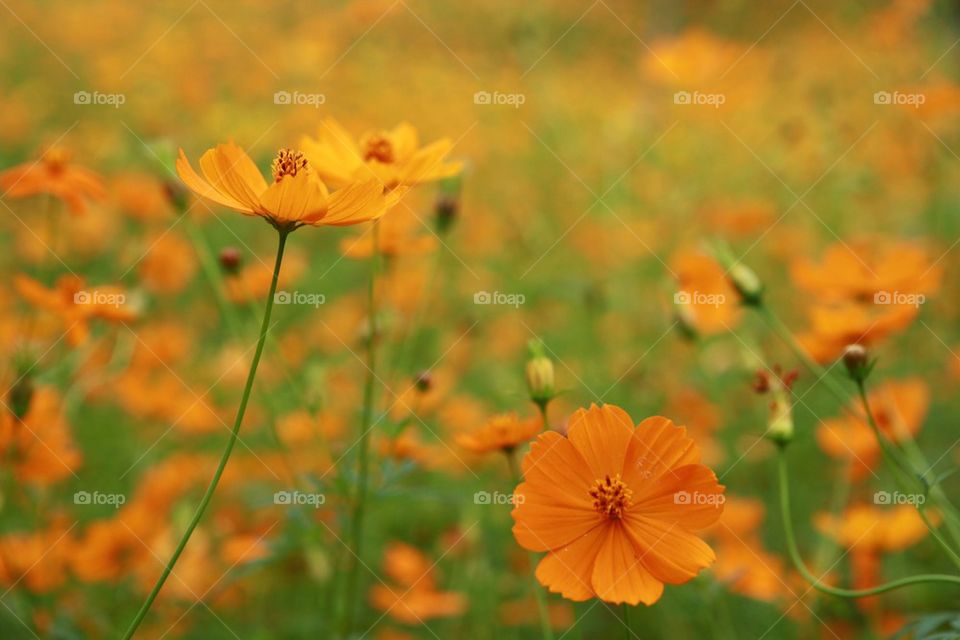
(611, 497)
(287, 163)
(378, 147)
(56, 159)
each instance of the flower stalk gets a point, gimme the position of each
(283, 232)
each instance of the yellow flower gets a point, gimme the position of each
(295, 197)
(393, 157)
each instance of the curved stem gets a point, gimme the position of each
(812, 579)
(241, 410)
(363, 454)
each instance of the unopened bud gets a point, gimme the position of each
(541, 380)
(20, 397)
(445, 211)
(857, 361)
(780, 428)
(230, 260)
(423, 381)
(747, 283)
(176, 193)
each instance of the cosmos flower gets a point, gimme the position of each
(615, 507)
(414, 597)
(502, 433)
(55, 174)
(393, 157)
(296, 196)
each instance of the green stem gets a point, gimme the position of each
(241, 410)
(351, 595)
(626, 620)
(813, 580)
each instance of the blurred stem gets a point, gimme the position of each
(351, 595)
(241, 410)
(626, 620)
(538, 594)
(940, 500)
(783, 476)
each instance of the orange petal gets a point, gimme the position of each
(688, 496)
(670, 553)
(355, 203)
(568, 571)
(656, 447)
(230, 170)
(619, 574)
(202, 188)
(296, 198)
(601, 435)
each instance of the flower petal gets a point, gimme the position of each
(601, 435)
(657, 447)
(230, 170)
(619, 574)
(672, 554)
(202, 188)
(568, 571)
(689, 497)
(295, 198)
(354, 204)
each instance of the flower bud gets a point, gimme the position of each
(176, 194)
(541, 379)
(780, 427)
(445, 211)
(857, 361)
(747, 283)
(230, 260)
(423, 381)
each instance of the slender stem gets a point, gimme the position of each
(363, 455)
(241, 410)
(626, 620)
(813, 580)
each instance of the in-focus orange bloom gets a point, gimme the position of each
(616, 506)
(296, 196)
(502, 433)
(414, 598)
(899, 408)
(393, 157)
(54, 174)
(77, 304)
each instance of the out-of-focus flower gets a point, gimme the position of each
(862, 293)
(296, 196)
(392, 157)
(38, 447)
(55, 174)
(704, 296)
(899, 408)
(616, 506)
(76, 304)
(397, 235)
(169, 265)
(414, 597)
(502, 433)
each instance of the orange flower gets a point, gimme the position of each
(899, 408)
(393, 158)
(415, 598)
(295, 197)
(615, 507)
(75, 304)
(502, 433)
(56, 175)
(705, 298)
(39, 449)
(396, 236)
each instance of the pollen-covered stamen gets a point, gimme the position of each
(611, 497)
(287, 163)
(378, 147)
